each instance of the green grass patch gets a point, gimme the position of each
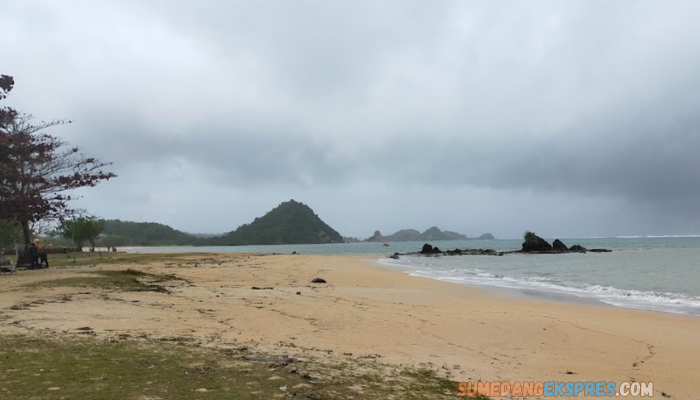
(86, 368)
(90, 258)
(89, 369)
(422, 381)
(126, 281)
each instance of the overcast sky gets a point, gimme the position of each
(576, 118)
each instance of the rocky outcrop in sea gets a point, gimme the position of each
(533, 244)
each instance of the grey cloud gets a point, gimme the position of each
(586, 101)
(638, 155)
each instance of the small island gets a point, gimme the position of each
(533, 244)
(431, 234)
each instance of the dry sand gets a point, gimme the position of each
(367, 311)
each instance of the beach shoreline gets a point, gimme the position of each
(366, 309)
(502, 292)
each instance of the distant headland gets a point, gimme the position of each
(291, 222)
(432, 234)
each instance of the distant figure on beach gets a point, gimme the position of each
(33, 256)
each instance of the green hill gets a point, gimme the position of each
(125, 233)
(289, 223)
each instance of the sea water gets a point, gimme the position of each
(651, 273)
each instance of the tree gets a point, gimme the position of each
(10, 233)
(82, 229)
(36, 171)
(6, 114)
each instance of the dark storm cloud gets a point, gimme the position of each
(644, 155)
(585, 100)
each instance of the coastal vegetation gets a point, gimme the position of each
(126, 368)
(10, 233)
(88, 259)
(129, 280)
(291, 222)
(82, 229)
(38, 170)
(126, 233)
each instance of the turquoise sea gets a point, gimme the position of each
(652, 273)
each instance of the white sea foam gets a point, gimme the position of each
(656, 236)
(647, 300)
(673, 236)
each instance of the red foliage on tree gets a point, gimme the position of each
(37, 169)
(6, 84)
(6, 114)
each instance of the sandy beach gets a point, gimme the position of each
(372, 312)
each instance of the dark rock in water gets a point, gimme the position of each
(559, 245)
(395, 256)
(318, 280)
(534, 243)
(429, 249)
(473, 252)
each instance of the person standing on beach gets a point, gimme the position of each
(33, 255)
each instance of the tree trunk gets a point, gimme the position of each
(27, 234)
(22, 257)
